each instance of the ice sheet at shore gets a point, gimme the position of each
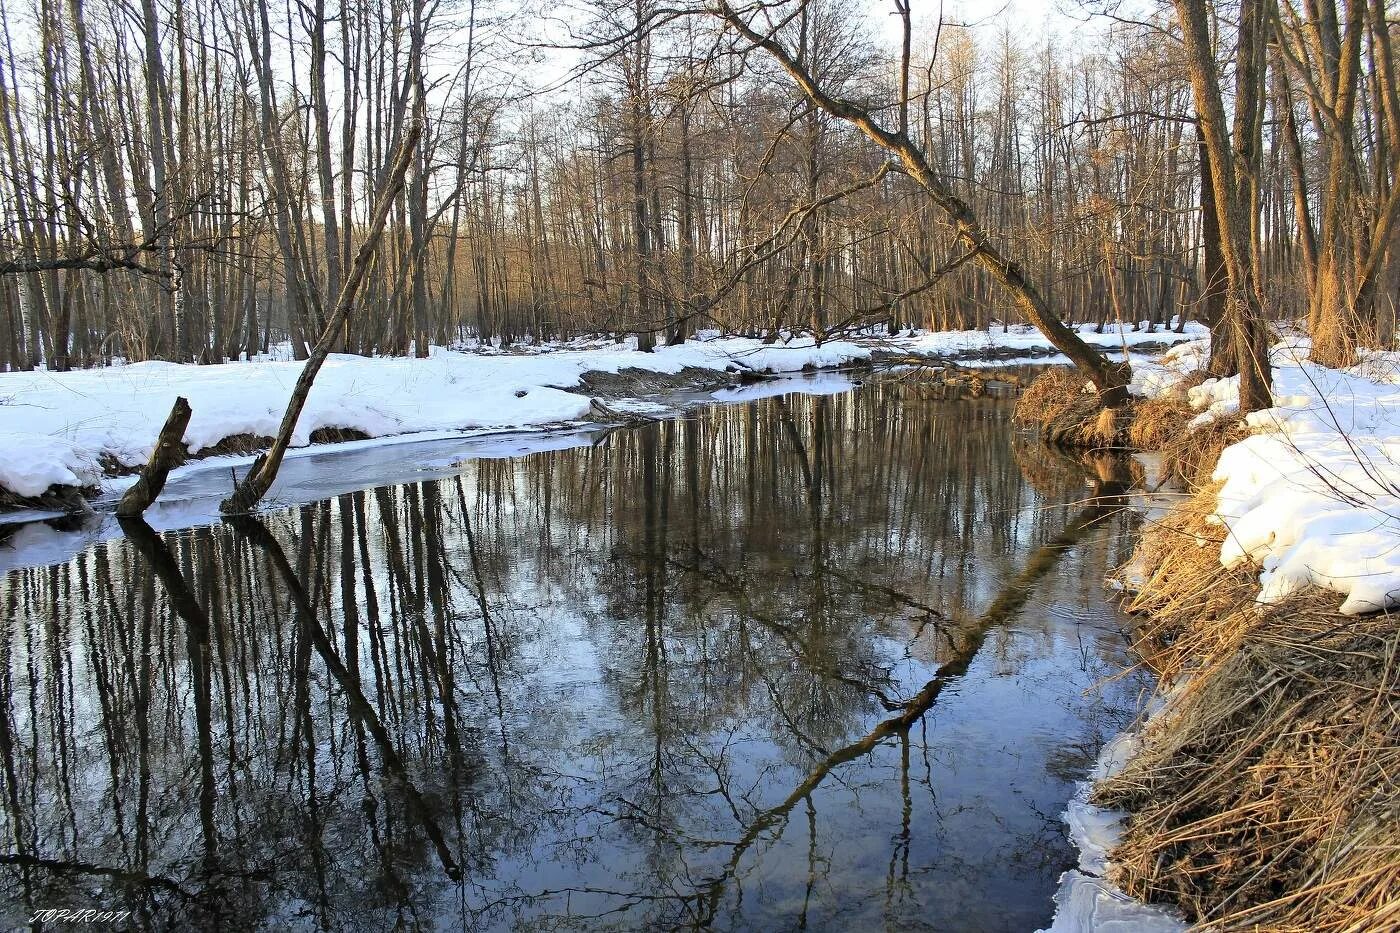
(1086, 902)
(57, 428)
(309, 474)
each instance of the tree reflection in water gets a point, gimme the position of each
(795, 663)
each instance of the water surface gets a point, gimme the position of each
(804, 662)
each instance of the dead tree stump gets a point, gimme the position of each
(169, 453)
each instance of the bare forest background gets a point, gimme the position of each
(190, 179)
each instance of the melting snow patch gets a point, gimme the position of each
(1312, 497)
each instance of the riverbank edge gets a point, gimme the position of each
(1258, 792)
(599, 389)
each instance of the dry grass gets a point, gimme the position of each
(53, 499)
(1049, 396)
(1190, 456)
(1267, 796)
(336, 435)
(1056, 404)
(240, 444)
(1156, 422)
(1185, 591)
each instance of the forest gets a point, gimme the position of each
(189, 180)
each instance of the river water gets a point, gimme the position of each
(805, 662)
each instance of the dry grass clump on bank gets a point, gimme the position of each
(53, 499)
(1049, 396)
(1267, 796)
(1183, 588)
(1157, 422)
(1056, 404)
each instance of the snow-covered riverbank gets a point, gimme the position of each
(77, 428)
(1312, 496)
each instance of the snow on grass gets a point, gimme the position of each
(1313, 495)
(58, 428)
(31, 463)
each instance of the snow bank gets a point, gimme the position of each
(54, 427)
(194, 491)
(1025, 338)
(57, 428)
(31, 463)
(1313, 496)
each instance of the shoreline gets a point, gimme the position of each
(1207, 622)
(65, 437)
(1260, 794)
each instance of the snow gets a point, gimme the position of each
(819, 384)
(194, 491)
(55, 426)
(1086, 901)
(1312, 497)
(1025, 338)
(31, 463)
(58, 428)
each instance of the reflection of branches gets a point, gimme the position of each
(702, 902)
(1007, 602)
(893, 595)
(259, 536)
(64, 867)
(736, 588)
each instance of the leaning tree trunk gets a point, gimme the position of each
(1110, 379)
(169, 452)
(259, 479)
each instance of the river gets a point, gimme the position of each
(828, 661)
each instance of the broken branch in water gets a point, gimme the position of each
(169, 453)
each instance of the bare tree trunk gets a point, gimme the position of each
(260, 477)
(1223, 361)
(1242, 311)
